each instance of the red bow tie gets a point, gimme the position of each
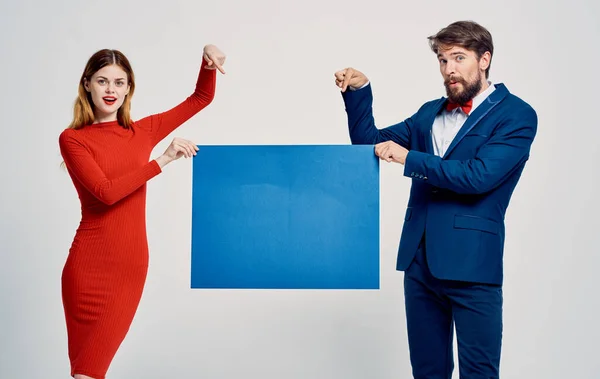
(465, 107)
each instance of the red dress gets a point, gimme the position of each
(104, 275)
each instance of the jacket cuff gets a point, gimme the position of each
(414, 167)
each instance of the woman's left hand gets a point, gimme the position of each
(214, 57)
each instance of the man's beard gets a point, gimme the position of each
(469, 90)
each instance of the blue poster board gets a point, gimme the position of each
(285, 217)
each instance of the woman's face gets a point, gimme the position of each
(108, 87)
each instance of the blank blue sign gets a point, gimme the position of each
(285, 217)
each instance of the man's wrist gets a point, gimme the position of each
(357, 88)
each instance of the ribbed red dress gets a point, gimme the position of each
(104, 275)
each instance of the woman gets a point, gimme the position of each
(107, 156)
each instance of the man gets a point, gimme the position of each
(465, 154)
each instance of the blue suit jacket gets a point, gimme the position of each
(458, 201)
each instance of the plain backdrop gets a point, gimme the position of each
(279, 89)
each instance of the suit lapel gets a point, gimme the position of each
(478, 114)
(429, 126)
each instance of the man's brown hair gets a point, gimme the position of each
(467, 34)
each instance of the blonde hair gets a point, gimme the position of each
(83, 110)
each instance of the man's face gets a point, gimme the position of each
(463, 72)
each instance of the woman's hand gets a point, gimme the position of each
(178, 148)
(214, 57)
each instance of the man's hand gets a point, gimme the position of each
(350, 77)
(391, 152)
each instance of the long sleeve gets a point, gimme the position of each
(495, 161)
(361, 123)
(82, 166)
(162, 124)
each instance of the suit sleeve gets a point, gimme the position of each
(507, 149)
(84, 168)
(162, 124)
(361, 124)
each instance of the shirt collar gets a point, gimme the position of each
(477, 100)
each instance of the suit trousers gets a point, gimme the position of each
(435, 307)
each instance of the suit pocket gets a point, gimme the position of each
(475, 135)
(476, 223)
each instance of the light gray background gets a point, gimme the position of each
(279, 89)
